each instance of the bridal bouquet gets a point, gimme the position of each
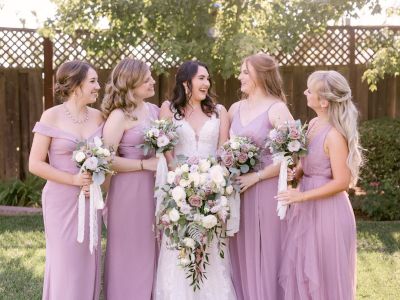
(194, 212)
(239, 154)
(161, 136)
(287, 143)
(94, 158)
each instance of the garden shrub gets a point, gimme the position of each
(22, 193)
(380, 176)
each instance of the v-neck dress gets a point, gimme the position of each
(255, 249)
(319, 247)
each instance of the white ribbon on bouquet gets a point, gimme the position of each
(161, 179)
(282, 182)
(95, 203)
(233, 223)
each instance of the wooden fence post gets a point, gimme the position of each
(48, 73)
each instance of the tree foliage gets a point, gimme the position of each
(219, 33)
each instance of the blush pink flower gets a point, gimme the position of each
(195, 201)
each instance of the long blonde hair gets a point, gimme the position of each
(267, 70)
(343, 114)
(119, 92)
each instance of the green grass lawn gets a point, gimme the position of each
(22, 252)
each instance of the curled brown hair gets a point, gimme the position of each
(186, 72)
(69, 76)
(267, 71)
(127, 75)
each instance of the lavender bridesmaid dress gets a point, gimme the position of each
(320, 243)
(131, 244)
(255, 249)
(71, 272)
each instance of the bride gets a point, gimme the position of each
(203, 128)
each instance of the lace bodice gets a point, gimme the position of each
(203, 144)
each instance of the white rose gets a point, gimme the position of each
(184, 183)
(178, 171)
(250, 154)
(203, 178)
(273, 134)
(173, 215)
(195, 178)
(229, 189)
(171, 177)
(197, 218)
(294, 146)
(80, 156)
(106, 152)
(155, 132)
(162, 141)
(97, 141)
(91, 163)
(204, 165)
(217, 175)
(185, 168)
(184, 261)
(223, 201)
(209, 221)
(189, 242)
(235, 145)
(178, 194)
(185, 209)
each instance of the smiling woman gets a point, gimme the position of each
(71, 272)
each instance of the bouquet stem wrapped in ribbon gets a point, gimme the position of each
(92, 158)
(161, 137)
(287, 143)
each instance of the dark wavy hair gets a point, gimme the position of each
(179, 100)
(69, 76)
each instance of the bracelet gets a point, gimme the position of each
(259, 176)
(141, 164)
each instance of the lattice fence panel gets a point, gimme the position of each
(20, 49)
(329, 48)
(68, 48)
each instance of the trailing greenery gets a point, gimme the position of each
(219, 33)
(380, 177)
(22, 193)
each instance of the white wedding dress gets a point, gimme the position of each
(171, 282)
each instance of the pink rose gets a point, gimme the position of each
(194, 160)
(245, 148)
(294, 134)
(280, 138)
(242, 157)
(227, 159)
(195, 201)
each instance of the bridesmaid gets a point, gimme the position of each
(71, 271)
(255, 249)
(320, 244)
(131, 245)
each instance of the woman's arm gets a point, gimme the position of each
(224, 126)
(113, 131)
(166, 113)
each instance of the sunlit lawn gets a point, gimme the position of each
(22, 252)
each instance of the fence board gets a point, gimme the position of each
(3, 125)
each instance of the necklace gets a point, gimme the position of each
(73, 118)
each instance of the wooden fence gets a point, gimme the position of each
(26, 82)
